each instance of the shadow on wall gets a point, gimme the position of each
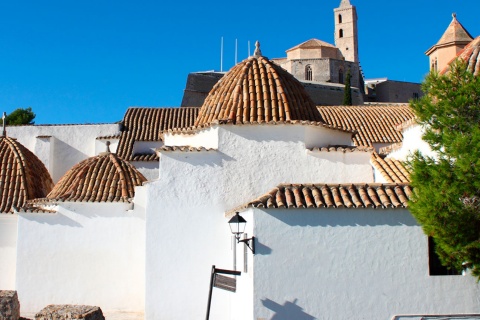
(344, 217)
(287, 311)
(67, 156)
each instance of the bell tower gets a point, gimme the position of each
(346, 34)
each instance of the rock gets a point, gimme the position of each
(9, 305)
(69, 311)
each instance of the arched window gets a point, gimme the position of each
(340, 33)
(436, 65)
(308, 72)
(339, 18)
(340, 76)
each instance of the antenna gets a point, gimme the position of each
(4, 118)
(248, 48)
(221, 55)
(236, 47)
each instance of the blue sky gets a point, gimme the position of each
(88, 61)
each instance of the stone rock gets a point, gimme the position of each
(9, 305)
(70, 311)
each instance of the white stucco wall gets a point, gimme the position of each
(86, 253)
(68, 145)
(349, 264)
(149, 169)
(207, 138)
(101, 145)
(187, 232)
(412, 140)
(8, 252)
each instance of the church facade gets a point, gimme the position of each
(131, 217)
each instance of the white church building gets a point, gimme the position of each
(132, 216)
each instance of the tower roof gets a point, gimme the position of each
(312, 44)
(257, 91)
(345, 3)
(455, 34)
(104, 178)
(23, 176)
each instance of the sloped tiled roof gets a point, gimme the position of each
(147, 124)
(373, 123)
(257, 91)
(104, 178)
(394, 171)
(312, 44)
(343, 149)
(22, 176)
(469, 54)
(455, 33)
(184, 149)
(334, 196)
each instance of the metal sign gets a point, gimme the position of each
(221, 282)
(225, 283)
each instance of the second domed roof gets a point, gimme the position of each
(104, 178)
(257, 91)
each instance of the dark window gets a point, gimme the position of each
(435, 266)
(340, 76)
(308, 73)
(415, 95)
(340, 33)
(339, 18)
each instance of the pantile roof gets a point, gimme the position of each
(312, 44)
(343, 149)
(22, 176)
(372, 123)
(394, 171)
(184, 149)
(334, 196)
(455, 33)
(147, 124)
(469, 54)
(103, 178)
(257, 91)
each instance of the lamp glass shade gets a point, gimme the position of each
(237, 224)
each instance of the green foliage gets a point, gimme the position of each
(347, 93)
(446, 199)
(20, 116)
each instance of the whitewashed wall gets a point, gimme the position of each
(186, 229)
(412, 140)
(68, 145)
(8, 250)
(349, 264)
(86, 253)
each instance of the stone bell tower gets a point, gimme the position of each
(346, 33)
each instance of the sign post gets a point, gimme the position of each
(221, 282)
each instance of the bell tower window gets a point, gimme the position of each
(340, 33)
(340, 76)
(339, 18)
(308, 72)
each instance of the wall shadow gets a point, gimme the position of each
(287, 311)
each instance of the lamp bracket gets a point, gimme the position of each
(247, 243)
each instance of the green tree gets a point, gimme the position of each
(446, 200)
(347, 93)
(20, 116)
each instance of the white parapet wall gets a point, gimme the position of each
(86, 253)
(60, 147)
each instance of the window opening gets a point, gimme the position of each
(340, 76)
(308, 73)
(341, 33)
(339, 18)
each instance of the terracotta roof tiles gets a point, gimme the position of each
(104, 178)
(373, 123)
(343, 149)
(148, 124)
(22, 176)
(257, 91)
(333, 196)
(184, 149)
(312, 44)
(394, 171)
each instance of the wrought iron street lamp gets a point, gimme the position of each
(237, 226)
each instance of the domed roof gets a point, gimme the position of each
(257, 91)
(469, 54)
(22, 175)
(104, 178)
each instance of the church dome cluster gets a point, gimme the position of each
(257, 91)
(104, 178)
(470, 54)
(23, 176)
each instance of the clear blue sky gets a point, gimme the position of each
(88, 61)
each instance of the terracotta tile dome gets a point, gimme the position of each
(104, 178)
(257, 91)
(22, 177)
(471, 55)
